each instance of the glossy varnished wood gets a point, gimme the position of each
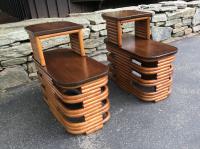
(52, 28)
(115, 20)
(41, 32)
(68, 68)
(125, 15)
(145, 49)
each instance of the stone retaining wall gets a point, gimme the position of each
(171, 19)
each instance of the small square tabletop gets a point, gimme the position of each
(125, 15)
(52, 28)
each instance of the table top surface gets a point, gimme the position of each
(68, 68)
(52, 27)
(125, 15)
(146, 49)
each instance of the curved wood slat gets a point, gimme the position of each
(122, 67)
(91, 111)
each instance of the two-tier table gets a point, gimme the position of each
(139, 65)
(74, 85)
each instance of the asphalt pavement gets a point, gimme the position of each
(27, 123)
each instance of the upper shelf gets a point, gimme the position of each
(125, 15)
(53, 27)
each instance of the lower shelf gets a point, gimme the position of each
(148, 80)
(81, 109)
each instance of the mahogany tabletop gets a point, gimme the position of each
(68, 68)
(146, 49)
(52, 27)
(125, 15)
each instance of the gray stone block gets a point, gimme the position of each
(172, 22)
(94, 35)
(159, 23)
(196, 18)
(33, 76)
(161, 33)
(188, 31)
(98, 27)
(126, 30)
(178, 34)
(103, 33)
(178, 25)
(100, 58)
(12, 35)
(187, 22)
(5, 46)
(80, 20)
(101, 47)
(25, 67)
(179, 4)
(15, 44)
(153, 24)
(168, 8)
(65, 46)
(30, 58)
(196, 28)
(93, 43)
(31, 67)
(95, 19)
(151, 7)
(149, 11)
(182, 13)
(195, 3)
(5, 41)
(86, 33)
(96, 53)
(15, 61)
(159, 18)
(53, 42)
(11, 77)
(128, 25)
(179, 29)
(88, 51)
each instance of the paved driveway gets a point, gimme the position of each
(25, 121)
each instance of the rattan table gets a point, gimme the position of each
(74, 85)
(139, 65)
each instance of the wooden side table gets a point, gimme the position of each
(114, 21)
(138, 64)
(74, 85)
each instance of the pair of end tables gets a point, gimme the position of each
(75, 86)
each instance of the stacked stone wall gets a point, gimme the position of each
(171, 20)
